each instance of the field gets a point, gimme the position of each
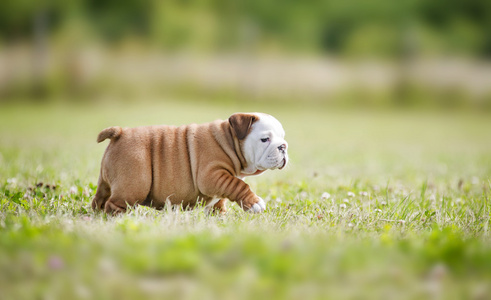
(382, 204)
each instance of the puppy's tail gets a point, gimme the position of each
(109, 133)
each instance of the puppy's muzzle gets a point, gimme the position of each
(282, 148)
(283, 163)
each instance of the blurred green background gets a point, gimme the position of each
(341, 53)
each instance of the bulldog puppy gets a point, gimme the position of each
(189, 164)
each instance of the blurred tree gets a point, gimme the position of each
(329, 26)
(115, 19)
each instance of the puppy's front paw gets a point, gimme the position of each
(258, 207)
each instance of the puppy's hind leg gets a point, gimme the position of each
(114, 206)
(126, 194)
(102, 194)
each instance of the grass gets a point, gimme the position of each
(375, 204)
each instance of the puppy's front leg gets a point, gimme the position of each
(226, 185)
(218, 207)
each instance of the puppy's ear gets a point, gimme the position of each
(241, 124)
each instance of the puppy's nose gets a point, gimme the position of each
(282, 148)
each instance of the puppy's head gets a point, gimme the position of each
(262, 140)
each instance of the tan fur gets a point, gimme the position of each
(186, 165)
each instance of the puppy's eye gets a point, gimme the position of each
(265, 140)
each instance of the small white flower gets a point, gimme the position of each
(432, 197)
(342, 205)
(363, 193)
(73, 190)
(378, 210)
(383, 203)
(325, 196)
(12, 180)
(345, 200)
(402, 222)
(351, 225)
(351, 194)
(303, 195)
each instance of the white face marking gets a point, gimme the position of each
(265, 146)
